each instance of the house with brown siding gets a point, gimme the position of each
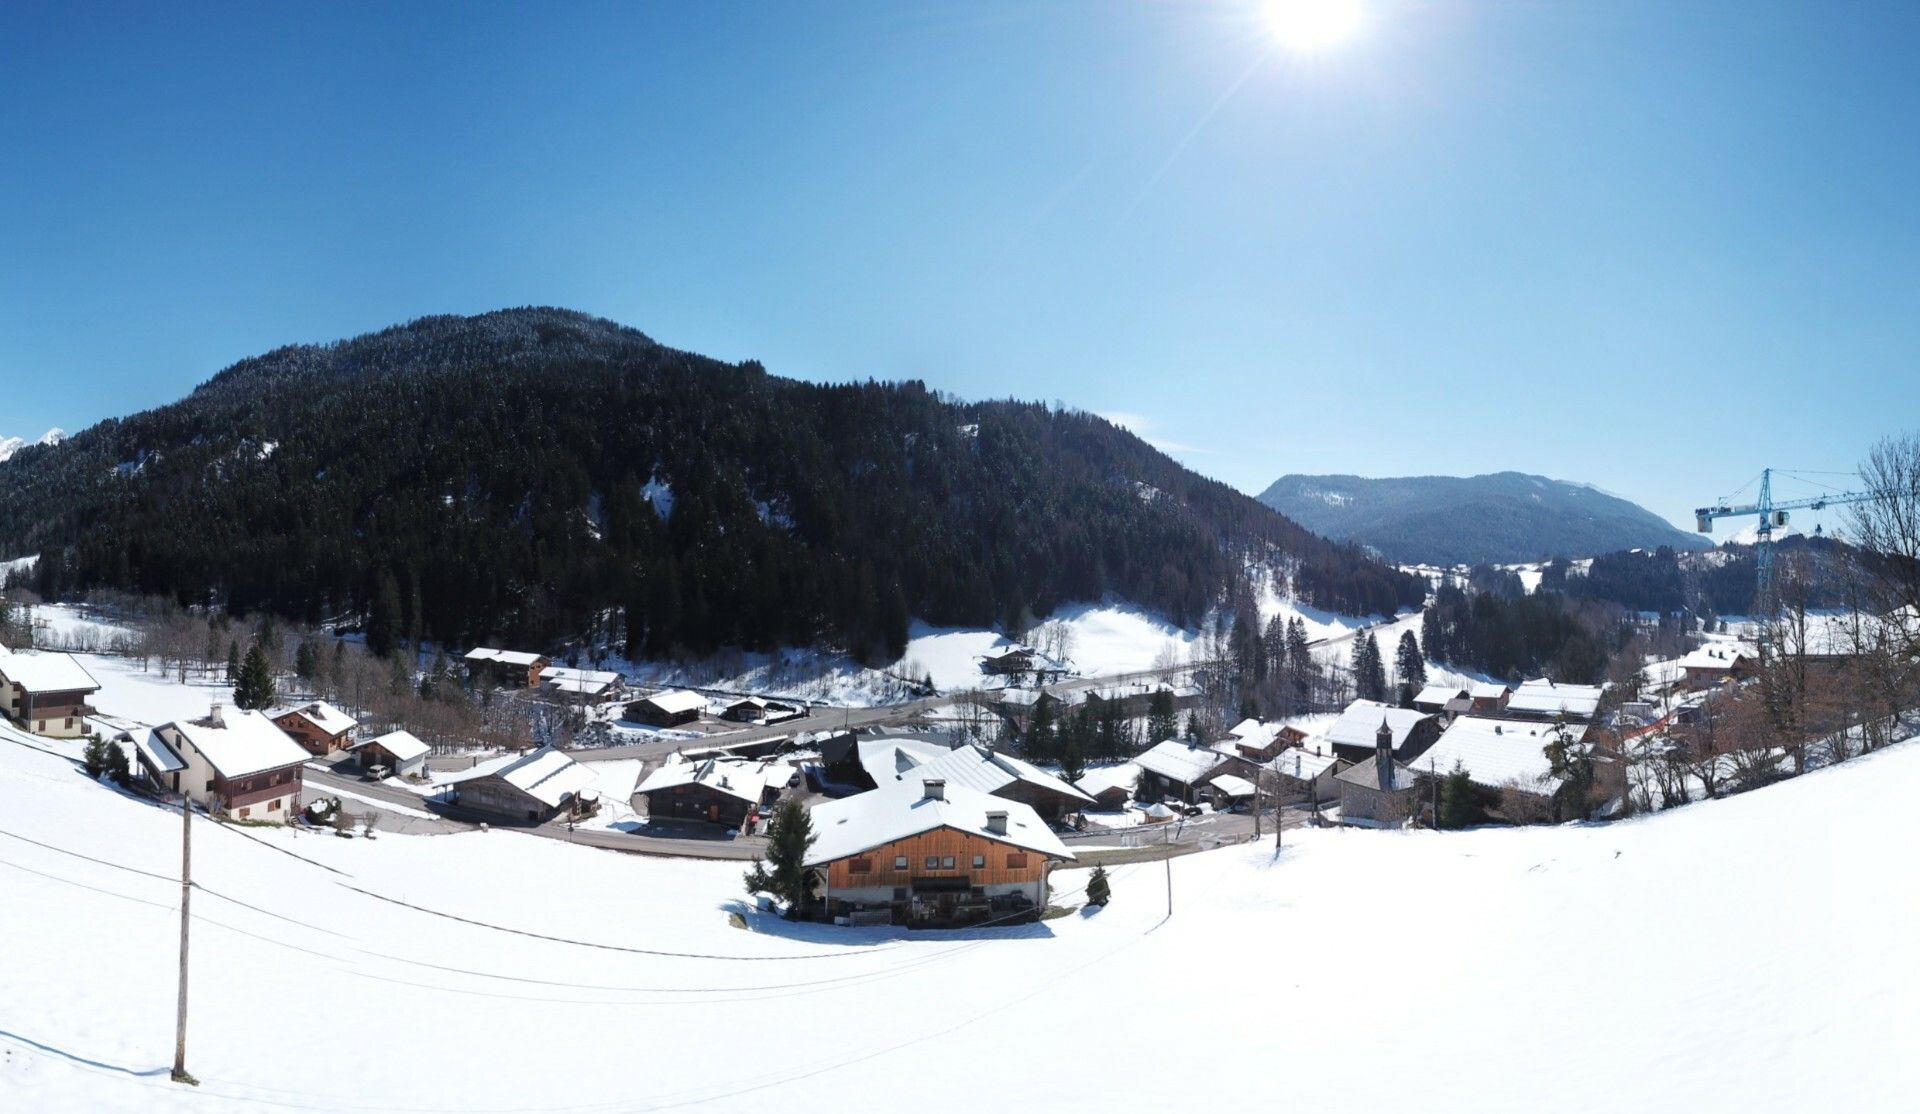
(929, 854)
(716, 790)
(46, 693)
(509, 669)
(232, 763)
(320, 727)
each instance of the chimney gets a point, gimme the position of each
(997, 822)
(215, 718)
(1383, 755)
(935, 789)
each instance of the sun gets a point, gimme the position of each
(1307, 25)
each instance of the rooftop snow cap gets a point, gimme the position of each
(997, 822)
(935, 789)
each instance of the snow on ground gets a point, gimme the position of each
(1582, 968)
(1569, 968)
(61, 626)
(1103, 639)
(149, 696)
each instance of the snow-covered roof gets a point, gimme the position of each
(902, 809)
(401, 744)
(676, 701)
(1094, 782)
(545, 774)
(1494, 752)
(1255, 733)
(1367, 774)
(1486, 690)
(1233, 785)
(149, 744)
(1301, 763)
(1359, 725)
(589, 676)
(45, 671)
(1176, 761)
(504, 657)
(988, 771)
(1543, 697)
(1439, 694)
(244, 743)
(887, 757)
(1719, 655)
(324, 716)
(745, 780)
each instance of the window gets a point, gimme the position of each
(244, 812)
(273, 805)
(899, 862)
(979, 862)
(1016, 861)
(946, 863)
(899, 893)
(862, 866)
(933, 862)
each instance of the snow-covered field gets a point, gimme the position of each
(1746, 954)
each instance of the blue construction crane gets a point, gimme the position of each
(1771, 514)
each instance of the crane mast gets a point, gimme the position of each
(1770, 514)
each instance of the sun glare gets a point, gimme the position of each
(1306, 25)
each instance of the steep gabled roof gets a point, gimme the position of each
(1359, 725)
(1494, 752)
(1176, 761)
(546, 775)
(401, 744)
(902, 809)
(45, 671)
(242, 743)
(328, 719)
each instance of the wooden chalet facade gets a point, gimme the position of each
(1019, 659)
(530, 788)
(319, 727)
(923, 854)
(667, 709)
(46, 693)
(235, 764)
(507, 669)
(716, 791)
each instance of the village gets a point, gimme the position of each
(927, 814)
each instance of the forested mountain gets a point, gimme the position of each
(530, 474)
(1452, 520)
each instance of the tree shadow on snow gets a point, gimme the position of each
(867, 936)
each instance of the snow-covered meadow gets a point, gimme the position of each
(1744, 954)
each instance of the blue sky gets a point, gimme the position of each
(1652, 246)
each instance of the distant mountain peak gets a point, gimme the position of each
(1500, 517)
(12, 445)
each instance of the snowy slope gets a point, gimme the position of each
(1748, 954)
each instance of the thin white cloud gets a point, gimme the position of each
(1142, 427)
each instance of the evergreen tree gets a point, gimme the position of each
(1041, 742)
(1300, 664)
(1369, 672)
(784, 873)
(104, 758)
(233, 662)
(1072, 761)
(304, 663)
(1193, 727)
(254, 690)
(1099, 890)
(383, 620)
(1459, 799)
(1408, 662)
(1163, 722)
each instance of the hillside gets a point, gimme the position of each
(11, 446)
(1582, 968)
(1451, 520)
(531, 474)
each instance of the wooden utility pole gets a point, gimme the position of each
(1169, 861)
(180, 1074)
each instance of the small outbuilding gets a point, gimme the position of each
(529, 788)
(398, 751)
(668, 709)
(509, 669)
(717, 791)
